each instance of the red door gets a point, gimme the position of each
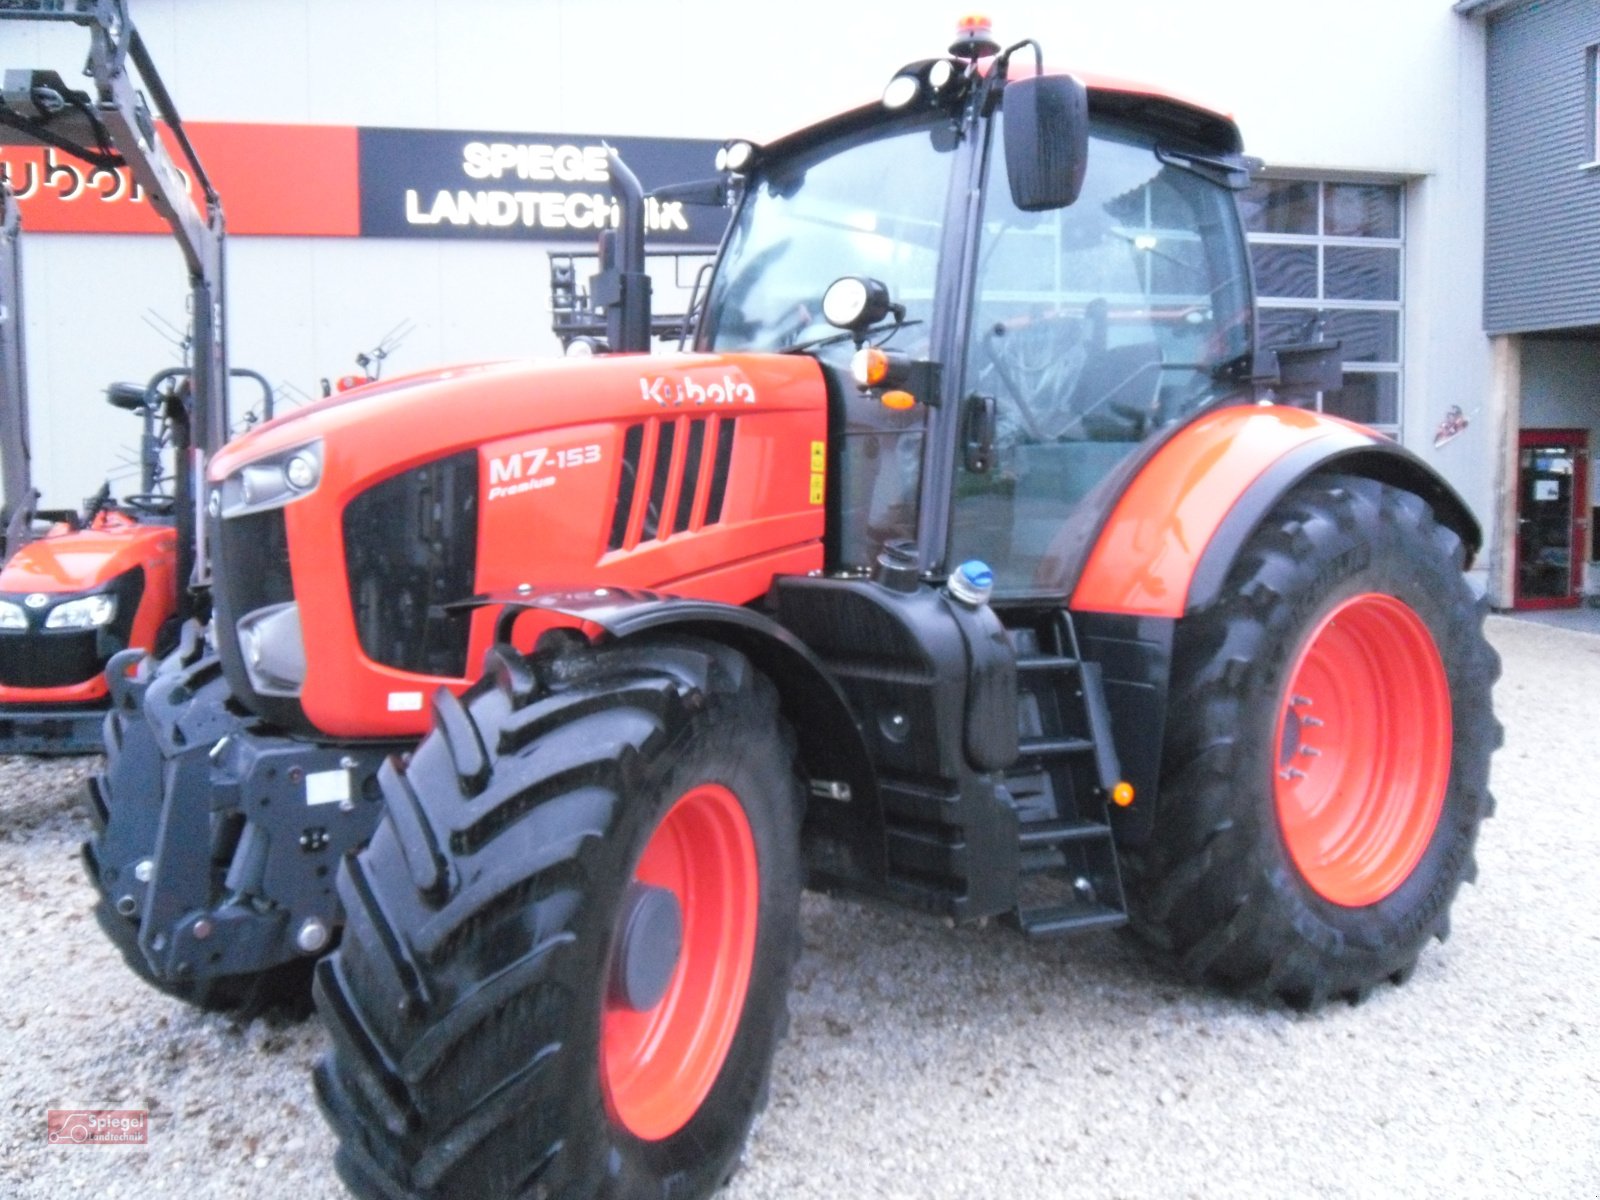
(1552, 517)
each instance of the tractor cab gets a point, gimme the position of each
(1031, 334)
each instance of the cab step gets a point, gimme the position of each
(1058, 920)
(1044, 834)
(1060, 786)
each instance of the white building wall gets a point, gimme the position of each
(1360, 88)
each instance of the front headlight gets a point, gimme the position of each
(87, 612)
(269, 482)
(12, 616)
(274, 652)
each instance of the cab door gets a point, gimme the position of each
(1092, 328)
(1552, 520)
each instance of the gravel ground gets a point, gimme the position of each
(926, 1062)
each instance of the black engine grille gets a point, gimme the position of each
(252, 555)
(410, 547)
(39, 660)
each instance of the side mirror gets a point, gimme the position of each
(128, 396)
(1302, 367)
(1046, 134)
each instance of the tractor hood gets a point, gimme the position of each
(384, 428)
(81, 560)
(699, 475)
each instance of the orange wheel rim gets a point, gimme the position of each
(1363, 750)
(657, 1066)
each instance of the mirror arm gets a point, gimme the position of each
(708, 193)
(1004, 60)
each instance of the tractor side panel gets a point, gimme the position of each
(1147, 555)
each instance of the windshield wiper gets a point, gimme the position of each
(1233, 370)
(1230, 172)
(1237, 367)
(833, 339)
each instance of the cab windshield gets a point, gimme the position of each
(870, 204)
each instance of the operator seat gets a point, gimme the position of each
(1117, 392)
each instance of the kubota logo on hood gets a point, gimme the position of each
(674, 393)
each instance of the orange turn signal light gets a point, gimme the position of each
(898, 400)
(869, 367)
(1122, 794)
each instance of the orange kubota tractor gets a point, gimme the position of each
(76, 589)
(966, 563)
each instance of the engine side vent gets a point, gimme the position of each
(660, 477)
(691, 474)
(660, 509)
(632, 445)
(719, 472)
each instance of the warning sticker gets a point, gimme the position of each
(327, 787)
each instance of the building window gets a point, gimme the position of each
(1329, 257)
(1591, 75)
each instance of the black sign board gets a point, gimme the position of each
(547, 187)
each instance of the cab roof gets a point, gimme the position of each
(1183, 122)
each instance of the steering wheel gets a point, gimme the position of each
(1037, 360)
(149, 504)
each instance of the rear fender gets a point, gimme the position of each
(845, 808)
(1175, 533)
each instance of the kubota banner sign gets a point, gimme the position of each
(344, 181)
(287, 180)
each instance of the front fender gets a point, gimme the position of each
(1171, 539)
(833, 749)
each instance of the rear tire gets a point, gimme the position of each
(1326, 761)
(480, 1043)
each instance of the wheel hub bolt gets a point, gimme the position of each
(127, 905)
(312, 937)
(145, 871)
(648, 946)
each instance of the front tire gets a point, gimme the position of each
(1326, 763)
(567, 954)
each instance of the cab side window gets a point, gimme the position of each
(1092, 326)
